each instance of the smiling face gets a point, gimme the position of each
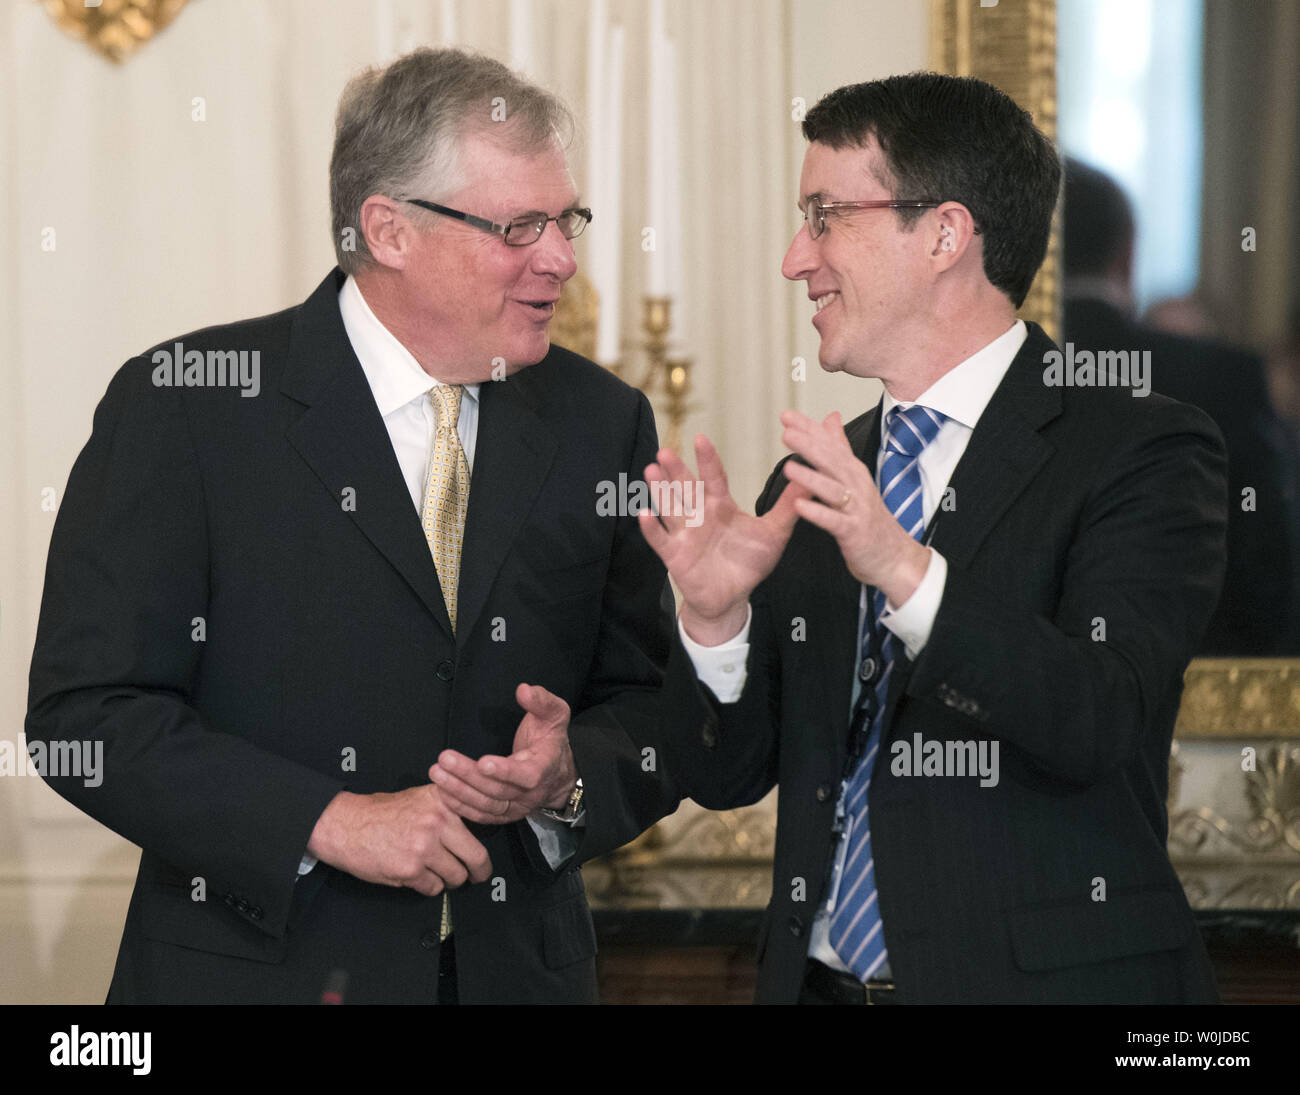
(464, 297)
(869, 276)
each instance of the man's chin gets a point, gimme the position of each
(829, 361)
(535, 352)
(502, 365)
(833, 362)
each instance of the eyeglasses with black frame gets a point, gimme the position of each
(521, 231)
(814, 214)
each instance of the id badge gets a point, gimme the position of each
(837, 868)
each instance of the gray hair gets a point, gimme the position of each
(398, 132)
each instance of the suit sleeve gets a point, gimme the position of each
(726, 754)
(118, 658)
(1139, 583)
(614, 733)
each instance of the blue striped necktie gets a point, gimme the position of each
(855, 928)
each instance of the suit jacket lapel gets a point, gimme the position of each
(1004, 453)
(513, 456)
(343, 439)
(841, 653)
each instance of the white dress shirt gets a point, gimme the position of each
(401, 390)
(961, 394)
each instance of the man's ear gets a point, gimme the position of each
(952, 228)
(388, 231)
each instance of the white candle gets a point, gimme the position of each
(384, 30)
(673, 189)
(611, 155)
(521, 35)
(657, 137)
(597, 238)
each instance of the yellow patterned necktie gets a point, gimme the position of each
(446, 495)
(446, 502)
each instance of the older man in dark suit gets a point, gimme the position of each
(368, 666)
(956, 635)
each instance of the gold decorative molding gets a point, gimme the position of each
(1240, 698)
(114, 29)
(1271, 795)
(1237, 848)
(732, 838)
(1249, 888)
(613, 884)
(1012, 45)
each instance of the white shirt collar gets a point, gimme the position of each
(964, 391)
(395, 377)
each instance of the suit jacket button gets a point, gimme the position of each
(824, 793)
(445, 671)
(709, 733)
(429, 941)
(796, 927)
(255, 912)
(243, 906)
(229, 899)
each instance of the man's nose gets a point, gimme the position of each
(552, 254)
(800, 259)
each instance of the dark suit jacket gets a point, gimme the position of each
(1070, 505)
(1261, 591)
(328, 662)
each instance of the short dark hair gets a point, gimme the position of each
(955, 138)
(1098, 221)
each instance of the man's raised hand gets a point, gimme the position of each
(718, 556)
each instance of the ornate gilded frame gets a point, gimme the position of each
(1012, 45)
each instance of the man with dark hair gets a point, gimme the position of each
(955, 636)
(1259, 599)
(1097, 236)
(336, 679)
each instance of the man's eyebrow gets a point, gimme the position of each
(575, 204)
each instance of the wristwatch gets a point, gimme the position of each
(572, 809)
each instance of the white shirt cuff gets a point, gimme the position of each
(913, 620)
(556, 838)
(306, 864)
(721, 668)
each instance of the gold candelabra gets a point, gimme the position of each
(671, 374)
(574, 326)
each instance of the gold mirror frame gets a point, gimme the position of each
(1012, 45)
